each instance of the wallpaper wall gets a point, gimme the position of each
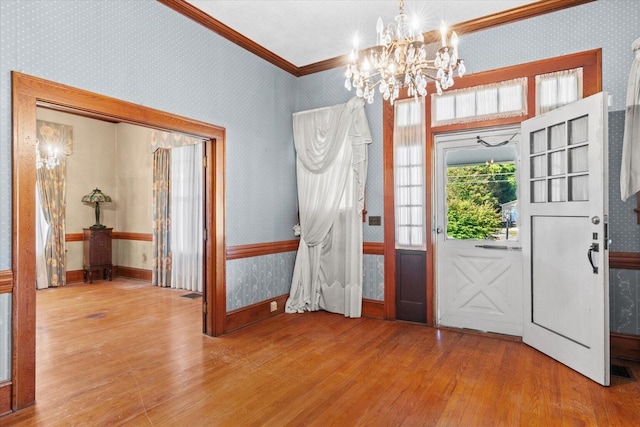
(143, 52)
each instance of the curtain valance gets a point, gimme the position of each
(163, 139)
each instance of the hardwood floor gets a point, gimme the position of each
(126, 353)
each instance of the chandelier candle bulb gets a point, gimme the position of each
(399, 61)
(443, 33)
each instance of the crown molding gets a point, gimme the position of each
(190, 11)
(505, 17)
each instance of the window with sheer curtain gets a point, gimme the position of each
(553, 90)
(187, 217)
(486, 102)
(409, 158)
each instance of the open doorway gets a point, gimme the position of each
(479, 253)
(30, 92)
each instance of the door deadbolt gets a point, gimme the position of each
(595, 220)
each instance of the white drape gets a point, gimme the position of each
(630, 168)
(331, 169)
(42, 233)
(186, 207)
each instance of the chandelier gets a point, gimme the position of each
(399, 60)
(47, 156)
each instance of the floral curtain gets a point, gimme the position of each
(54, 143)
(161, 270)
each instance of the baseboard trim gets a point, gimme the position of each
(118, 271)
(6, 389)
(6, 281)
(75, 276)
(133, 273)
(625, 346)
(372, 308)
(245, 316)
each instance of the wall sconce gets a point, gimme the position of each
(97, 197)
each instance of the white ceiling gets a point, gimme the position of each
(307, 31)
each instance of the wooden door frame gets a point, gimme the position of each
(28, 92)
(591, 63)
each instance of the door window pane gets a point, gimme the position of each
(557, 192)
(481, 193)
(578, 159)
(578, 130)
(557, 136)
(557, 163)
(579, 188)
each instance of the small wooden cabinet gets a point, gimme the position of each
(96, 254)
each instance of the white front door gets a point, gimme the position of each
(478, 249)
(564, 219)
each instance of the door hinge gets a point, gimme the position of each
(204, 307)
(204, 234)
(205, 162)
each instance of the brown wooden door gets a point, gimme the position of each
(411, 285)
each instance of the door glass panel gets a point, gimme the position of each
(538, 142)
(538, 166)
(557, 163)
(481, 193)
(579, 188)
(578, 160)
(539, 191)
(557, 192)
(578, 130)
(557, 136)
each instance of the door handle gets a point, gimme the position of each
(593, 248)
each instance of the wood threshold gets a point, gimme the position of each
(27, 93)
(485, 22)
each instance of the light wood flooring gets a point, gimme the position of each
(126, 353)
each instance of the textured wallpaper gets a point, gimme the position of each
(144, 52)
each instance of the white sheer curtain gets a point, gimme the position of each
(553, 90)
(630, 170)
(331, 168)
(186, 207)
(42, 232)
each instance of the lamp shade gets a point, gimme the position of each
(97, 197)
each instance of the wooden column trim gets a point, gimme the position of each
(29, 92)
(6, 281)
